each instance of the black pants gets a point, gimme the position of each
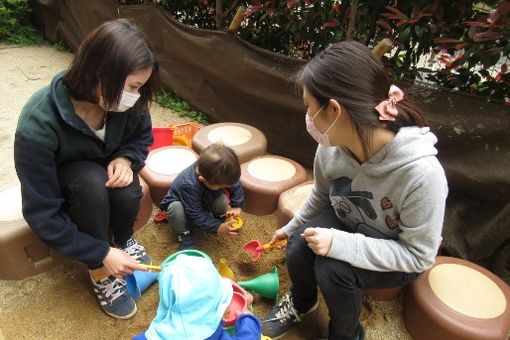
(340, 283)
(93, 207)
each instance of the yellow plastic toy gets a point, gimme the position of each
(238, 221)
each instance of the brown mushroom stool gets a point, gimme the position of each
(163, 165)
(457, 299)
(264, 178)
(23, 254)
(247, 141)
(290, 201)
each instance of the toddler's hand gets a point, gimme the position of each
(225, 229)
(234, 212)
(319, 239)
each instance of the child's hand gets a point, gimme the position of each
(318, 239)
(225, 229)
(234, 212)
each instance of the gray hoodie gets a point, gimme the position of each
(394, 203)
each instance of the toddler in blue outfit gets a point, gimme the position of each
(197, 198)
(193, 299)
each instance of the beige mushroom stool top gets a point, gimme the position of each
(457, 299)
(264, 178)
(23, 254)
(290, 201)
(247, 141)
(163, 165)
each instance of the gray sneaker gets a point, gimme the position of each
(113, 297)
(279, 320)
(136, 251)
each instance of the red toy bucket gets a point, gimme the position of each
(162, 137)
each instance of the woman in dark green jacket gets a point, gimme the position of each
(79, 146)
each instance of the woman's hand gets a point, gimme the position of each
(119, 263)
(119, 173)
(278, 236)
(226, 229)
(318, 239)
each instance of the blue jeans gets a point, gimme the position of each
(341, 284)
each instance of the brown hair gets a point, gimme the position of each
(349, 73)
(219, 165)
(105, 58)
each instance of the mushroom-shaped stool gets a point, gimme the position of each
(457, 299)
(247, 141)
(264, 178)
(163, 165)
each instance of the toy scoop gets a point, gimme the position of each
(255, 248)
(237, 221)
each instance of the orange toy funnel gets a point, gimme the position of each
(255, 248)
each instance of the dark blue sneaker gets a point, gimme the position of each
(185, 240)
(113, 297)
(136, 251)
(279, 320)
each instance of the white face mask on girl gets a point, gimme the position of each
(127, 101)
(321, 138)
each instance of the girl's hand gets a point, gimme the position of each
(119, 173)
(119, 263)
(225, 229)
(318, 239)
(234, 212)
(278, 236)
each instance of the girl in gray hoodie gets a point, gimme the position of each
(374, 216)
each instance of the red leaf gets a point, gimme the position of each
(396, 11)
(331, 23)
(486, 36)
(476, 24)
(460, 46)
(336, 7)
(253, 9)
(446, 41)
(291, 4)
(499, 13)
(384, 24)
(504, 69)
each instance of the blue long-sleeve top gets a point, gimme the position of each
(197, 199)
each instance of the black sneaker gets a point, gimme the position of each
(185, 240)
(136, 251)
(113, 297)
(279, 320)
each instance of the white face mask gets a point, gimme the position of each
(321, 138)
(127, 101)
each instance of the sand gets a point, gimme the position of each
(60, 304)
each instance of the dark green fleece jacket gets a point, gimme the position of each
(50, 133)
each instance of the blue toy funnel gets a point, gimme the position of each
(139, 281)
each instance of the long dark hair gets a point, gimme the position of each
(349, 73)
(106, 56)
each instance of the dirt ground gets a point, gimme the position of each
(60, 304)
